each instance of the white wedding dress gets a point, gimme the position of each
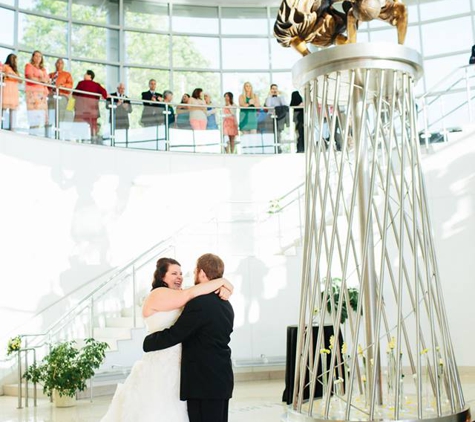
(151, 393)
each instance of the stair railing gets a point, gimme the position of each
(433, 102)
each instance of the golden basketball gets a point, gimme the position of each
(366, 10)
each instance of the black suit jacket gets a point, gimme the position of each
(152, 114)
(204, 329)
(121, 114)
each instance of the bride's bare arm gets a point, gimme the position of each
(165, 299)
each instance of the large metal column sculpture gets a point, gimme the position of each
(368, 228)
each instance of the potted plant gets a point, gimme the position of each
(66, 368)
(335, 291)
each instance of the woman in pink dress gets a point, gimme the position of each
(36, 94)
(10, 89)
(230, 127)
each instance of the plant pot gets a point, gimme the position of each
(64, 401)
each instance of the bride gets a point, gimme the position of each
(151, 391)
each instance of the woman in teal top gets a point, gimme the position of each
(249, 103)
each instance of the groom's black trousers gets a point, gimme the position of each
(208, 410)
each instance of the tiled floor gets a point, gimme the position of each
(254, 401)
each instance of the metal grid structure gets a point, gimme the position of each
(368, 228)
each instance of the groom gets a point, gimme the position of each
(204, 329)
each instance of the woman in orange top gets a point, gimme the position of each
(36, 94)
(10, 89)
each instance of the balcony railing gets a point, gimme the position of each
(141, 124)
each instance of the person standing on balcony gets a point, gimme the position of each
(230, 126)
(119, 103)
(168, 111)
(297, 103)
(211, 113)
(472, 57)
(152, 113)
(198, 117)
(10, 95)
(183, 113)
(61, 79)
(87, 105)
(278, 115)
(36, 92)
(249, 102)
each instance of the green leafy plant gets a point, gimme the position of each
(14, 344)
(67, 368)
(335, 291)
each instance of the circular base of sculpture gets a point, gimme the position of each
(407, 413)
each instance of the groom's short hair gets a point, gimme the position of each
(212, 265)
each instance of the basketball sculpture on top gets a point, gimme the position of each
(319, 22)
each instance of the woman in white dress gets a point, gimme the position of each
(151, 391)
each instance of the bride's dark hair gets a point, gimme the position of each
(162, 268)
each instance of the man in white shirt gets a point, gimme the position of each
(279, 113)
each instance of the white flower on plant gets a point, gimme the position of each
(344, 348)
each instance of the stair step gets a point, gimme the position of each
(128, 312)
(112, 342)
(116, 333)
(124, 322)
(11, 390)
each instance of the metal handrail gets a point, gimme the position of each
(133, 100)
(436, 93)
(430, 91)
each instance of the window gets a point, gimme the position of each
(95, 42)
(436, 40)
(244, 21)
(50, 7)
(146, 15)
(44, 34)
(195, 52)
(443, 9)
(97, 11)
(186, 82)
(234, 82)
(282, 57)
(245, 53)
(149, 49)
(137, 80)
(6, 29)
(195, 19)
